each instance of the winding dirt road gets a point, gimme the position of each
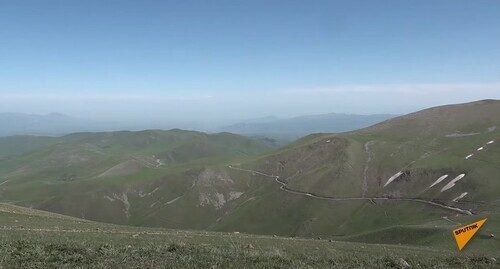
(283, 187)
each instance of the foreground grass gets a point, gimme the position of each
(30, 249)
(37, 239)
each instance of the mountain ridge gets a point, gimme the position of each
(307, 124)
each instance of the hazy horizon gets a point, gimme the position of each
(225, 60)
(138, 108)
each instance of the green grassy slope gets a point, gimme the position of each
(134, 178)
(34, 239)
(468, 118)
(422, 146)
(17, 145)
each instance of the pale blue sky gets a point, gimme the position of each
(200, 59)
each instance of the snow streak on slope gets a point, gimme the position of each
(460, 197)
(393, 178)
(452, 183)
(438, 181)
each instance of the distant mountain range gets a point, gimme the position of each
(57, 124)
(304, 125)
(49, 124)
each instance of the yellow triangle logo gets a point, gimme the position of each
(464, 234)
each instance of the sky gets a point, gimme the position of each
(165, 60)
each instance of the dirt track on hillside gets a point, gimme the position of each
(283, 187)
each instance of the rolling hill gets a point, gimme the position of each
(20, 144)
(119, 177)
(417, 175)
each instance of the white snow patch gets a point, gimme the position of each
(142, 194)
(211, 178)
(438, 181)
(122, 198)
(460, 197)
(469, 156)
(109, 198)
(217, 200)
(126, 204)
(220, 199)
(451, 184)
(174, 200)
(460, 134)
(393, 178)
(234, 195)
